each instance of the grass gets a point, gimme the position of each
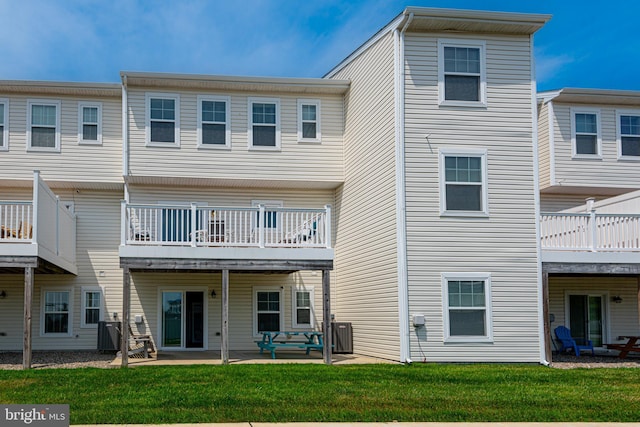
(288, 393)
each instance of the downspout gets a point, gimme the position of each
(125, 137)
(536, 198)
(401, 208)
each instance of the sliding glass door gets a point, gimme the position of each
(183, 319)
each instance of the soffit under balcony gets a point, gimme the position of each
(234, 183)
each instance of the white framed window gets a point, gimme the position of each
(271, 216)
(163, 119)
(90, 123)
(43, 125)
(463, 182)
(467, 307)
(586, 139)
(309, 120)
(56, 312)
(91, 306)
(462, 73)
(214, 126)
(267, 310)
(628, 134)
(264, 124)
(4, 124)
(302, 305)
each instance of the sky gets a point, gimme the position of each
(586, 44)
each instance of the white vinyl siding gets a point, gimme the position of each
(586, 139)
(43, 125)
(264, 124)
(163, 119)
(462, 72)
(309, 120)
(365, 281)
(303, 310)
(628, 134)
(214, 125)
(4, 124)
(463, 176)
(467, 307)
(89, 123)
(504, 243)
(544, 150)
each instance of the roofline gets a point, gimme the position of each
(288, 82)
(586, 95)
(61, 88)
(535, 20)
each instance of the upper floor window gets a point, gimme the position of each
(264, 123)
(467, 307)
(163, 119)
(309, 120)
(4, 124)
(461, 72)
(89, 123)
(585, 135)
(463, 188)
(629, 134)
(214, 130)
(43, 125)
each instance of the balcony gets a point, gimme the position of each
(40, 232)
(225, 233)
(590, 237)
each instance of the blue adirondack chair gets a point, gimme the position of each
(564, 336)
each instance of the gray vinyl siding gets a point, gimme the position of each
(604, 173)
(294, 161)
(366, 291)
(74, 162)
(504, 244)
(544, 158)
(98, 231)
(620, 319)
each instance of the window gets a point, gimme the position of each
(214, 130)
(270, 215)
(4, 124)
(264, 123)
(43, 126)
(467, 307)
(585, 126)
(308, 120)
(268, 313)
(89, 123)
(56, 318)
(303, 313)
(461, 72)
(629, 134)
(163, 119)
(463, 189)
(91, 307)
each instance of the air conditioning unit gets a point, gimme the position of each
(109, 336)
(342, 337)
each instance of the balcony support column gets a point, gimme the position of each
(326, 316)
(224, 335)
(126, 308)
(545, 314)
(28, 303)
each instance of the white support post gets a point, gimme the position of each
(125, 222)
(34, 207)
(224, 336)
(193, 226)
(261, 227)
(126, 307)
(326, 317)
(327, 226)
(57, 225)
(28, 307)
(594, 230)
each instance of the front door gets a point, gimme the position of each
(586, 318)
(183, 319)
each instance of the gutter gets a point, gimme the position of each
(401, 205)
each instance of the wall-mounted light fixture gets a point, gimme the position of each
(3, 294)
(617, 299)
(213, 294)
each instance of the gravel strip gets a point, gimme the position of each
(57, 359)
(567, 361)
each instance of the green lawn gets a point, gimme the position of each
(269, 393)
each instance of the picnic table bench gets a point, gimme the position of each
(307, 340)
(631, 345)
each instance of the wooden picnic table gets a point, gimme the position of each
(631, 345)
(306, 340)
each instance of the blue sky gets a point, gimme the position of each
(587, 43)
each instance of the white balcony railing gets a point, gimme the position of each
(16, 221)
(198, 226)
(590, 232)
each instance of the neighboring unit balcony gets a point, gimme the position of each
(213, 232)
(590, 237)
(40, 232)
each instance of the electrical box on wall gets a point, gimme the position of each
(418, 320)
(138, 318)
